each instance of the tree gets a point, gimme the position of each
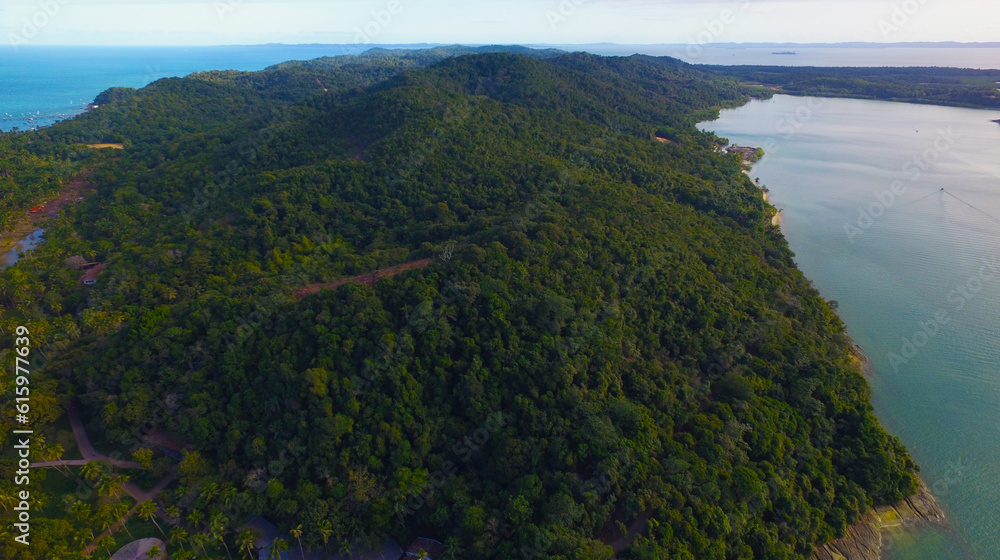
(107, 542)
(277, 548)
(147, 511)
(217, 527)
(143, 456)
(297, 533)
(178, 536)
(93, 470)
(199, 539)
(120, 512)
(246, 542)
(325, 530)
(111, 485)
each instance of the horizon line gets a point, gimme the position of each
(873, 44)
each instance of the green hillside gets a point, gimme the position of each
(600, 334)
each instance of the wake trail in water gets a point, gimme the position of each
(990, 216)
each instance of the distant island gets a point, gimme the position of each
(784, 52)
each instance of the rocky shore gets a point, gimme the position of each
(866, 539)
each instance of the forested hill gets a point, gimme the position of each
(598, 329)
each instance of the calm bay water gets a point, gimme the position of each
(916, 272)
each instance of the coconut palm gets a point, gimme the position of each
(93, 470)
(325, 530)
(120, 512)
(174, 513)
(246, 542)
(147, 511)
(198, 539)
(277, 547)
(178, 536)
(217, 528)
(111, 485)
(107, 542)
(196, 517)
(297, 533)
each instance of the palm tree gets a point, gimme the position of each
(147, 511)
(111, 485)
(198, 539)
(229, 497)
(297, 533)
(153, 553)
(209, 492)
(217, 527)
(277, 547)
(178, 536)
(246, 542)
(120, 511)
(92, 471)
(196, 517)
(325, 530)
(174, 513)
(107, 542)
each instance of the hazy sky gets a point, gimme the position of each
(208, 22)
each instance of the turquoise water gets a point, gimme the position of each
(915, 270)
(42, 85)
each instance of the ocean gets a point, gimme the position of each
(43, 85)
(893, 211)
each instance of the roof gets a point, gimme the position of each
(431, 548)
(138, 550)
(91, 274)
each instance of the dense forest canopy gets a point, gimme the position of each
(600, 335)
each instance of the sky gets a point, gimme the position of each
(220, 22)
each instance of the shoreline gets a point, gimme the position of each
(866, 539)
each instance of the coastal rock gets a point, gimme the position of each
(864, 539)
